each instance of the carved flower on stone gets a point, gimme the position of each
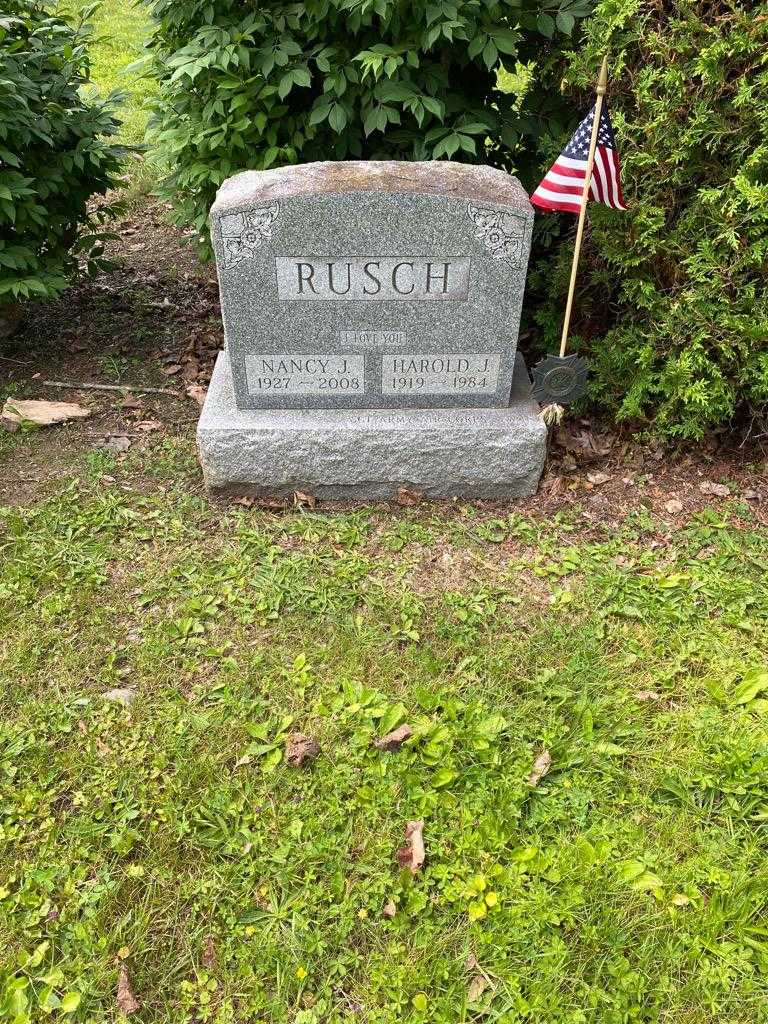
(501, 233)
(244, 233)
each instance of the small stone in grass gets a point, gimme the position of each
(645, 695)
(598, 479)
(120, 695)
(673, 506)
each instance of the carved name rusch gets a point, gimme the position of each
(372, 278)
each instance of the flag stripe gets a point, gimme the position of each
(600, 177)
(565, 179)
(567, 161)
(616, 180)
(562, 186)
(555, 200)
(573, 189)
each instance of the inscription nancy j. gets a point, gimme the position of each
(372, 278)
(301, 374)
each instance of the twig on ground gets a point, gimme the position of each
(74, 386)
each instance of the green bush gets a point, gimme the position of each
(246, 85)
(674, 293)
(54, 151)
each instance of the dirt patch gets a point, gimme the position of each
(154, 322)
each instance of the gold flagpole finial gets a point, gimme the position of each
(602, 82)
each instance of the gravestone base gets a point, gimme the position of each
(364, 454)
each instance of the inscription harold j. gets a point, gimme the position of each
(432, 374)
(361, 279)
(300, 374)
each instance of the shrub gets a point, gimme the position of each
(54, 151)
(674, 293)
(248, 85)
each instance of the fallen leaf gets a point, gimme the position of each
(393, 740)
(645, 695)
(172, 370)
(197, 393)
(300, 498)
(718, 490)
(406, 497)
(190, 370)
(477, 986)
(44, 414)
(390, 909)
(147, 426)
(273, 504)
(127, 1002)
(300, 749)
(120, 695)
(673, 506)
(541, 766)
(412, 855)
(208, 958)
(471, 963)
(245, 502)
(598, 478)
(131, 402)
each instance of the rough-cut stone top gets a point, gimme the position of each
(432, 177)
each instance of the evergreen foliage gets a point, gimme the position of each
(673, 295)
(55, 151)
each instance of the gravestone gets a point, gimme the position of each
(371, 312)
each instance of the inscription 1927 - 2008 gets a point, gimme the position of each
(412, 279)
(300, 374)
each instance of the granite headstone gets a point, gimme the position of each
(371, 312)
(371, 284)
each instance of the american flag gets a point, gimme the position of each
(562, 187)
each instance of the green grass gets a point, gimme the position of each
(121, 27)
(628, 886)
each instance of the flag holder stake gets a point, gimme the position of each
(602, 84)
(562, 379)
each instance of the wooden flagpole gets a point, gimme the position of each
(602, 83)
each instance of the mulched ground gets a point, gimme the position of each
(155, 321)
